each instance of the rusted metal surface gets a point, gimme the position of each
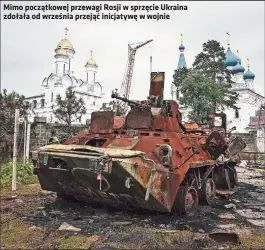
(102, 122)
(149, 161)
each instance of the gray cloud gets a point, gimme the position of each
(28, 46)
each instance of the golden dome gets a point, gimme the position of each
(65, 44)
(61, 52)
(91, 61)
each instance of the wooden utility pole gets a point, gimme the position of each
(28, 143)
(16, 130)
(25, 141)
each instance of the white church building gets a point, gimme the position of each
(249, 101)
(63, 77)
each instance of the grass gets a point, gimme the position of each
(73, 242)
(26, 180)
(16, 234)
(254, 240)
(137, 237)
(24, 174)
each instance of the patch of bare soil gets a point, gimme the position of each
(65, 224)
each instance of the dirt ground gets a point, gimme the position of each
(34, 219)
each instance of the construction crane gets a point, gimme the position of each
(127, 80)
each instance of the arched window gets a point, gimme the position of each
(42, 103)
(34, 104)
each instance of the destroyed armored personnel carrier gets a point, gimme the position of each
(147, 160)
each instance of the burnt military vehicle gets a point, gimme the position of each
(147, 160)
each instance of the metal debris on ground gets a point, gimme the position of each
(230, 205)
(227, 216)
(93, 238)
(67, 227)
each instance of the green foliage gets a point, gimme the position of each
(74, 242)
(211, 62)
(24, 174)
(9, 102)
(116, 106)
(70, 109)
(203, 96)
(179, 76)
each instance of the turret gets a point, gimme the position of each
(155, 113)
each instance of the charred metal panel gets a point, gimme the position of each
(172, 125)
(157, 84)
(118, 122)
(236, 146)
(139, 118)
(102, 122)
(124, 143)
(159, 123)
(215, 144)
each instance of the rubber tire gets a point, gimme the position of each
(227, 179)
(180, 201)
(204, 198)
(233, 177)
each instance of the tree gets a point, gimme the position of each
(211, 62)
(116, 106)
(70, 109)
(9, 102)
(179, 75)
(203, 96)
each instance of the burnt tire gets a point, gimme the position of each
(208, 192)
(233, 177)
(186, 201)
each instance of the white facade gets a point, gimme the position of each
(248, 101)
(57, 82)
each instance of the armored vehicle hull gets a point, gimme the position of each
(148, 160)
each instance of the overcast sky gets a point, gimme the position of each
(27, 46)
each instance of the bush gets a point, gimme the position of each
(24, 174)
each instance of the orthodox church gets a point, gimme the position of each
(57, 82)
(249, 101)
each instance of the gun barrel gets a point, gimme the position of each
(116, 96)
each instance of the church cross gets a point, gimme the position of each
(181, 36)
(91, 51)
(66, 31)
(228, 38)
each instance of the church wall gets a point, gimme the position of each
(61, 78)
(248, 103)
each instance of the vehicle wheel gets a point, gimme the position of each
(186, 201)
(227, 179)
(208, 192)
(233, 177)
